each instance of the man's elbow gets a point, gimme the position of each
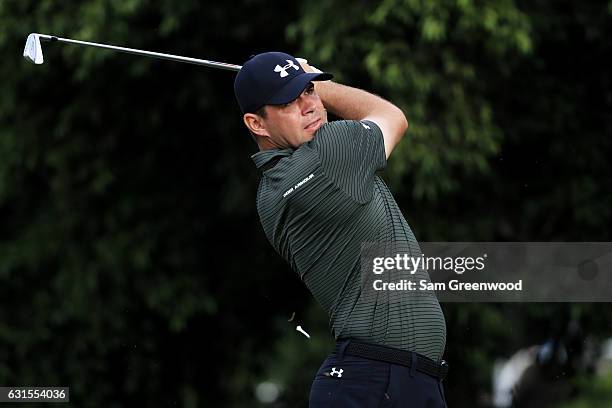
(402, 123)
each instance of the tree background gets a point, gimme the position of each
(132, 264)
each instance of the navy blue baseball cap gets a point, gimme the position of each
(272, 78)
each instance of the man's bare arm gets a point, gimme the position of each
(356, 104)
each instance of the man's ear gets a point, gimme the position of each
(255, 124)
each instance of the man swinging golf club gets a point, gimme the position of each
(318, 200)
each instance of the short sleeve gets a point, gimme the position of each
(351, 152)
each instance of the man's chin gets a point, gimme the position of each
(309, 136)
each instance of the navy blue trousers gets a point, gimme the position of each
(345, 381)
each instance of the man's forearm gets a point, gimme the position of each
(350, 103)
(356, 104)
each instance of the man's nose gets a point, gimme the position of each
(307, 103)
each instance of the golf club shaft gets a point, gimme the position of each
(196, 61)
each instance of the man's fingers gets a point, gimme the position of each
(304, 63)
(308, 68)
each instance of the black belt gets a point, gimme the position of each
(395, 356)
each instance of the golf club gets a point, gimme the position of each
(33, 52)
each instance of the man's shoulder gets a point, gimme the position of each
(341, 137)
(345, 128)
(284, 171)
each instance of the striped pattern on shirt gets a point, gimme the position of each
(317, 206)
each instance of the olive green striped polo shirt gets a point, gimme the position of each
(317, 205)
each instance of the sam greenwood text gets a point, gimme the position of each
(453, 285)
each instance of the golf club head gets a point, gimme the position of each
(33, 50)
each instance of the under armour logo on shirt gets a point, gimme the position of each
(283, 70)
(337, 372)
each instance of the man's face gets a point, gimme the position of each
(296, 122)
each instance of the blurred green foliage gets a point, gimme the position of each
(430, 58)
(132, 264)
(596, 392)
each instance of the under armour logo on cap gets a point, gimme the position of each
(337, 372)
(257, 83)
(283, 70)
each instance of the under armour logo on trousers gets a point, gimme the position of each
(337, 372)
(283, 70)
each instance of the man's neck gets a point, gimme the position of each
(265, 143)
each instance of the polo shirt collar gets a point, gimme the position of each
(264, 156)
